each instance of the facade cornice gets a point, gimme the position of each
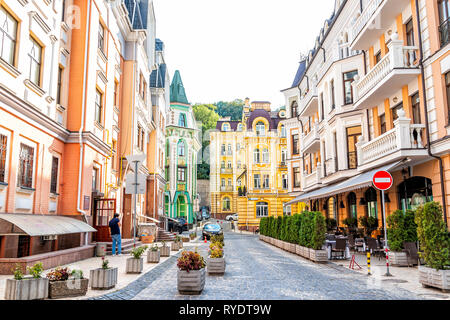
(90, 139)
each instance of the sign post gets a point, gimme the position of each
(382, 180)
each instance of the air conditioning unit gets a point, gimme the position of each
(49, 238)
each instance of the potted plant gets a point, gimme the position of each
(177, 244)
(153, 255)
(331, 224)
(351, 223)
(135, 264)
(218, 238)
(401, 228)
(191, 273)
(164, 250)
(216, 261)
(64, 283)
(435, 246)
(370, 224)
(103, 278)
(318, 226)
(27, 288)
(193, 236)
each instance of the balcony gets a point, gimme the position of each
(395, 70)
(309, 102)
(226, 170)
(444, 32)
(226, 188)
(311, 141)
(313, 179)
(404, 141)
(374, 21)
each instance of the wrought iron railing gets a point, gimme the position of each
(444, 31)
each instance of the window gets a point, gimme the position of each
(256, 156)
(395, 111)
(415, 104)
(58, 92)
(230, 184)
(182, 120)
(262, 209)
(167, 173)
(182, 174)
(348, 89)
(35, 56)
(222, 182)
(333, 101)
(116, 94)
(98, 106)
(283, 156)
(226, 127)
(114, 155)
(444, 21)
(410, 41)
(447, 85)
(222, 165)
(294, 109)
(377, 57)
(322, 107)
(223, 150)
(54, 176)
(283, 131)
(240, 127)
(26, 166)
(352, 208)
(229, 165)
(285, 181)
(332, 209)
(63, 10)
(382, 124)
(3, 150)
(295, 145)
(352, 139)
(238, 147)
(230, 150)
(371, 199)
(260, 129)
(8, 36)
(141, 134)
(265, 155)
(101, 38)
(239, 164)
(226, 205)
(94, 179)
(266, 181)
(297, 177)
(257, 181)
(181, 149)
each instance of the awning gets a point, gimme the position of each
(363, 180)
(36, 225)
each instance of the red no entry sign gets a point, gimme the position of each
(382, 180)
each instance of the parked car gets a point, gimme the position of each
(232, 217)
(211, 229)
(178, 225)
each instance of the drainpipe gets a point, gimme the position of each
(80, 132)
(441, 167)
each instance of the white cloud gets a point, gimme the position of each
(227, 49)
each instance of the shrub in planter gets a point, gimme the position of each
(216, 261)
(64, 283)
(306, 229)
(191, 273)
(27, 288)
(351, 223)
(401, 228)
(153, 255)
(103, 278)
(318, 238)
(370, 224)
(218, 238)
(331, 224)
(192, 235)
(435, 246)
(164, 250)
(135, 264)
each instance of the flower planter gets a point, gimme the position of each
(400, 259)
(185, 239)
(216, 266)
(320, 256)
(135, 266)
(26, 289)
(147, 239)
(175, 246)
(192, 282)
(69, 288)
(153, 256)
(103, 279)
(164, 251)
(429, 277)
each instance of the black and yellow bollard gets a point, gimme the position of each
(368, 263)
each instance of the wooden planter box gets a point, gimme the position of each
(135, 266)
(67, 289)
(175, 246)
(103, 279)
(153, 256)
(192, 282)
(286, 246)
(400, 259)
(291, 248)
(298, 250)
(164, 251)
(147, 239)
(304, 252)
(185, 239)
(429, 277)
(319, 256)
(216, 266)
(26, 289)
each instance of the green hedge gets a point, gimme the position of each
(401, 228)
(306, 229)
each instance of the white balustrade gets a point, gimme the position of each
(311, 137)
(365, 17)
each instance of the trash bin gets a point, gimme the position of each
(100, 250)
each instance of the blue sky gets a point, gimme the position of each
(227, 49)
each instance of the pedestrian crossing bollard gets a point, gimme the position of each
(368, 263)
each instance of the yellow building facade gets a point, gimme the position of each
(248, 166)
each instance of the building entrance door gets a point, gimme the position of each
(104, 210)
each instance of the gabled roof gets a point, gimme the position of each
(137, 13)
(158, 77)
(177, 92)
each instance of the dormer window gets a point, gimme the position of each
(226, 127)
(260, 129)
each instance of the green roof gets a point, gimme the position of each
(177, 92)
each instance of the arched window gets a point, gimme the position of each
(265, 155)
(294, 108)
(240, 127)
(351, 203)
(181, 148)
(226, 204)
(315, 205)
(372, 204)
(283, 131)
(182, 120)
(260, 129)
(414, 192)
(226, 127)
(332, 209)
(256, 156)
(262, 209)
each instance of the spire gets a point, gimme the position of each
(177, 93)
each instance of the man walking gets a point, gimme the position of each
(114, 225)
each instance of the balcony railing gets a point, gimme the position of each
(400, 60)
(330, 166)
(444, 31)
(312, 179)
(226, 170)
(365, 17)
(309, 139)
(226, 188)
(405, 137)
(309, 101)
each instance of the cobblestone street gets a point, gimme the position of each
(258, 271)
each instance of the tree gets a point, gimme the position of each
(231, 109)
